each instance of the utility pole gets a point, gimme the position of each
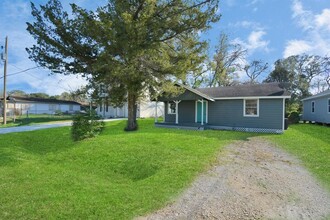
(4, 83)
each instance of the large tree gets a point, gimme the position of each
(302, 73)
(132, 46)
(254, 70)
(226, 62)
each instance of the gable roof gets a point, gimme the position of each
(248, 90)
(319, 95)
(197, 92)
(43, 100)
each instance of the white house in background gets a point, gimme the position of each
(24, 105)
(145, 110)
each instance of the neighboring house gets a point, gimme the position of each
(145, 110)
(317, 108)
(257, 108)
(27, 105)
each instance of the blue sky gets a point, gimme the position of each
(268, 29)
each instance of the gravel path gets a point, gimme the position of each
(253, 180)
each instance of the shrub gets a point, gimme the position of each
(294, 118)
(86, 126)
(58, 113)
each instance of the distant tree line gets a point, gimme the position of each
(79, 95)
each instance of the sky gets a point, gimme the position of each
(268, 29)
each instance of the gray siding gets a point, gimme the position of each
(168, 117)
(186, 112)
(321, 110)
(230, 113)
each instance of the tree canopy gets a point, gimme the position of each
(132, 46)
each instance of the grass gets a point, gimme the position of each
(121, 175)
(117, 175)
(311, 144)
(35, 119)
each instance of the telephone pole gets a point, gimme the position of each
(4, 83)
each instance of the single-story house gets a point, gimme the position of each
(255, 108)
(29, 105)
(145, 109)
(316, 108)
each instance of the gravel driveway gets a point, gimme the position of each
(252, 180)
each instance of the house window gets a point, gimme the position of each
(251, 107)
(70, 108)
(313, 107)
(171, 108)
(328, 105)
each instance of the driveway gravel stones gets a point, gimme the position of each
(252, 180)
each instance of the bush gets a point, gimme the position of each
(294, 118)
(86, 126)
(58, 113)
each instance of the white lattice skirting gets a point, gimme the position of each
(257, 130)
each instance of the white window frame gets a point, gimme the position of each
(313, 107)
(169, 109)
(244, 108)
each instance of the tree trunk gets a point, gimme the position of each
(132, 108)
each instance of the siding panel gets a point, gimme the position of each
(321, 110)
(230, 113)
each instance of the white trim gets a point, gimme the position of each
(206, 110)
(244, 114)
(283, 115)
(202, 113)
(197, 92)
(156, 115)
(312, 107)
(168, 108)
(317, 96)
(177, 111)
(254, 97)
(196, 110)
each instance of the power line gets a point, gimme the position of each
(22, 71)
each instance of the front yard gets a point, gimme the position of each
(120, 175)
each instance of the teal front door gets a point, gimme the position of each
(199, 112)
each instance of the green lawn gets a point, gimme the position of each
(311, 144)
(34, 119)
(120, 175)
(117, 175)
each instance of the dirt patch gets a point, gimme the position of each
(253, 180)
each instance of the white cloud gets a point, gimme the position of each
(294, 47)
(254, 42)
(323, 19)
(247, 24)
(316, 28)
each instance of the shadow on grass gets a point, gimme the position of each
(38, 142)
